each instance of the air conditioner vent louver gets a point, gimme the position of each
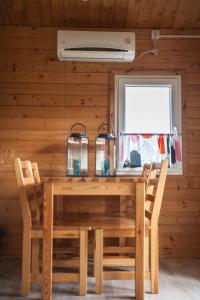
(95, 46)
(96, 49)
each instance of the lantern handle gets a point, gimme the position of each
(78, 124)
(108, 125)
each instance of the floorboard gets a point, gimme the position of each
(179, 279)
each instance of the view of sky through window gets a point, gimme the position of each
(147, 108)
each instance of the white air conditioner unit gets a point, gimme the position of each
(96, 46)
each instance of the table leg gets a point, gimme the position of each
(47, 242)
(140, 239)
(122, 241)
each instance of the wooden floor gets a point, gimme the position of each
(179, 279)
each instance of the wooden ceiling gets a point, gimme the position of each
(171, 14)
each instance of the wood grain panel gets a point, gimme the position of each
(53, 112)
(47, 123)
(95, 13)
(54, 100)
(177, 14)
(28, 43)
(57, 10)
(40, 98)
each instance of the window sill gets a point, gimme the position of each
(138, 171)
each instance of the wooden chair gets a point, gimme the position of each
(124, 227)
(28, 181)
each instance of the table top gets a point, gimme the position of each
(117, 179)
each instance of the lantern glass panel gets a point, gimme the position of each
(105, 156)
(77, 156)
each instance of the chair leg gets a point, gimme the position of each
(35, 256)
(154, 262)
(98, 260)
(83, 261)
(26, 262)
(147, 258)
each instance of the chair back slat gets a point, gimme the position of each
(148, 214)
(155, 190)
(21, 178)
(38, 185)
(27, 191)
(147, 168)
(159, 192)
(150, 197)
(22, 182)
(27, 181)
(150, 192)
(151, 183)
(36, 174)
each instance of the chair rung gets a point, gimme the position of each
(120, 275)
(70, 277)
(66, 233)
(119, 233)
(37, 234)
(119, 261)
(66, 250)
(63, 263)
(57, 277)
(58, 233)
(119, 250)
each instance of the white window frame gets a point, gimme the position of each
(176, 120)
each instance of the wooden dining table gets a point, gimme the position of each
(93, 186)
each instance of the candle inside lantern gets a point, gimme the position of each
(106, 167)
(105, 152)
(77, 167)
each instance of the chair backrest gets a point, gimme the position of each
(36, 173)
(146, 173)
(23, 172)
(26, 180)
(155, 191)
(150, 189)
(146, 170)
(38, 185)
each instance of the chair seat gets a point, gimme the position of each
(113, 221)
(70, 226)
(104, 221)
(90, 221)
(75, 222)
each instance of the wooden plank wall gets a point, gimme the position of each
(40, 98)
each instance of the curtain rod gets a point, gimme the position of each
(179, 36)
(126, 133)
(155, 35)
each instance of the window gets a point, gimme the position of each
(148, 122)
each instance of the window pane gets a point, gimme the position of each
(147, 109)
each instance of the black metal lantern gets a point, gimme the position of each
(77, 152)
(105, 159)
